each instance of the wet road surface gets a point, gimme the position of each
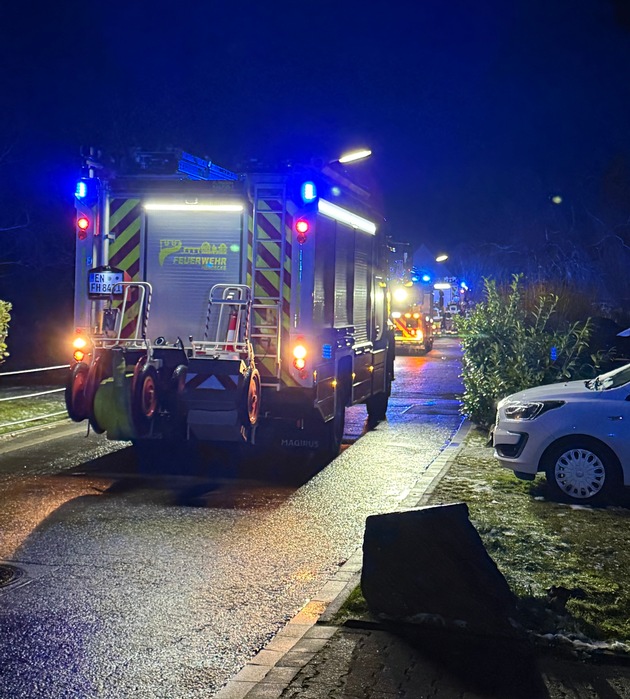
(164, 586)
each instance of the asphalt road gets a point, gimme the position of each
(165, 586)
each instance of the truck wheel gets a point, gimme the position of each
(378, 403)
(376, 409)
(336, 428)
(75, 392)
(332, 433)
(251, 408)
(175, 388)
(95, 375)
(144, 399)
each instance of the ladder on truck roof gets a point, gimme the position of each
(268, 278)
(170, 162)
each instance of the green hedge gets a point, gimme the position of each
(508, 348)
(5, 317)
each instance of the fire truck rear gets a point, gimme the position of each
(412, 317)
(212, 306)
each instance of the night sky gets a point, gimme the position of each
(476, 111)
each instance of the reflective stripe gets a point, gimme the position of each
(125, 220)
(214, 382)
(403, 328)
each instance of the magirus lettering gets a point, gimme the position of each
(304, 443)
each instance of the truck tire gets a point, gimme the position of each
(75, 392)
(173, 389)
(376, 409)
(144, 399)
(250, 408)
(378, 403)
(95, 375)
(333, 431)
(336, 427)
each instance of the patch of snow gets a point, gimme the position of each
(579, 642)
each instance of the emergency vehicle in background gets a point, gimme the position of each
(412, 301)
(412, 317)
(212, 306)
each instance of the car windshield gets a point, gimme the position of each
(612, 379)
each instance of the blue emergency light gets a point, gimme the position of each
(308, 192)
(87, 190)
(81, 191)
(426, 278)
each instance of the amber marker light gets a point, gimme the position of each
(299, 356)
(79, 344)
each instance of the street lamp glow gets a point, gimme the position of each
(557, 199)
(355, 155)
(441, 258)
(400, 294)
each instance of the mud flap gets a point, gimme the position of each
(279, 433)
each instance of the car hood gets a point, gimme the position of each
(552, 391)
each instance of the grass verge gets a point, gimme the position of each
(22, 413)
(538, 543)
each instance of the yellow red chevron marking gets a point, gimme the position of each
(271, 273)
(402, 327)
(125, 221)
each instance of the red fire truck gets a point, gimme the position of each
(222, 307)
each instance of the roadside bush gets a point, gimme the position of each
(508, 348)
(5, 317)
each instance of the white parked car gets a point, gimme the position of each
(577, 432)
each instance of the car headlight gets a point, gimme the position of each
(529, 410)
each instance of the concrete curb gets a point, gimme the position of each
(269, 672)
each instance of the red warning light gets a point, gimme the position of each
(83, 223)
(302, 227)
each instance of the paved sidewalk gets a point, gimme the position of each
(311, 659)
(382, 663)
(270, 672)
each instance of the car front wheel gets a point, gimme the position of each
(582, 471)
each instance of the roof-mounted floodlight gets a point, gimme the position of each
(344, 216)
(355, 155)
